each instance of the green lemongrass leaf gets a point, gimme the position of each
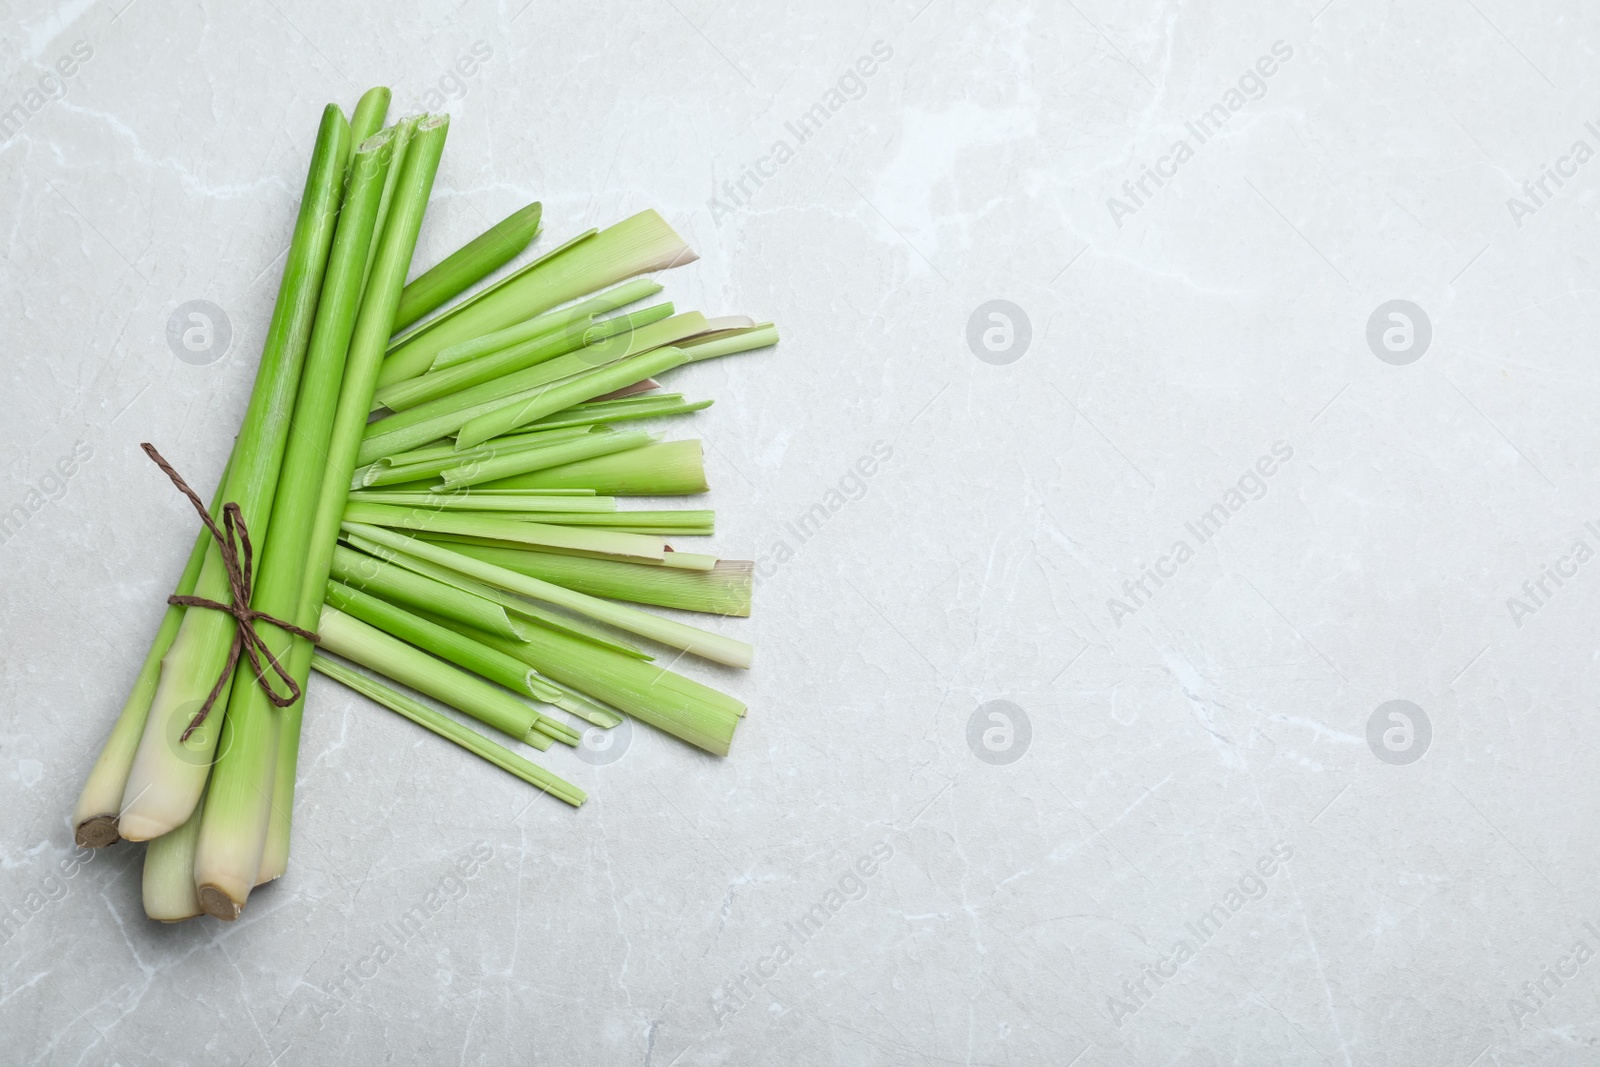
(389, 471)
(689, 561)
(570, 700)
(654, 530)
(669, 632)
(448, 450)
(410, 589)
(570, 378)
(693, 712)
(731, 343)
(470, 501)
(414, 392)
(167, 776)
(430, 719)
(587, 446)
(386, 276)
(233, 833)
(723, 590)
(645, 385)
(520, 606)
(500, 528)
(470, 306)
(409, 430)
(670, 558)
(468, 265)
(548, 399)
(642, 244)
(721, 326)
(578, 348)
(360, 642)
(441, 681)
(687, 519)
(633, 407)
(548, 323)
(449, 645)
(667, 468)
(582, 705)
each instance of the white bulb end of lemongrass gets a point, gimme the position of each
(138, 826)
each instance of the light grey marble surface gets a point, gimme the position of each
(1038, 883)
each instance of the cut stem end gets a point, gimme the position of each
(218, 904)
(97, 831)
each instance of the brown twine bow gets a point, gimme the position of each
(236, 558)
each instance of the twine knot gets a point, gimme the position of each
(233, 540)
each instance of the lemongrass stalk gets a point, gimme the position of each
(404, 131)
(542, 688)
(586, 446)
(582, 705)
(407, 588)
(167, 885)
(689, 561)
(731, 343)
(470, 501)
(94, 820)
(360, 642)
(549, 399)
(550, 322)
(370, 647)
(642, 244)
(568, 699)
(413, 392)
(684, 519)
(449, 645)
(621, 525)
(228, 855)
(689, 523)
(584, 346)
(524, 393)
(636, 407)
(636, 546)
(381, 295)
(487, 293)
(447, 450)
(645, 386)
(410, 430)
(525, 492)
(668, 468)
(367, 119)
(391, 471)
(670, 529)
(695, 713)
(431, 720)
(670, 557)
(519, 606)
(724, 590)
(168, 775)
(669, 632)
(468, 265)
